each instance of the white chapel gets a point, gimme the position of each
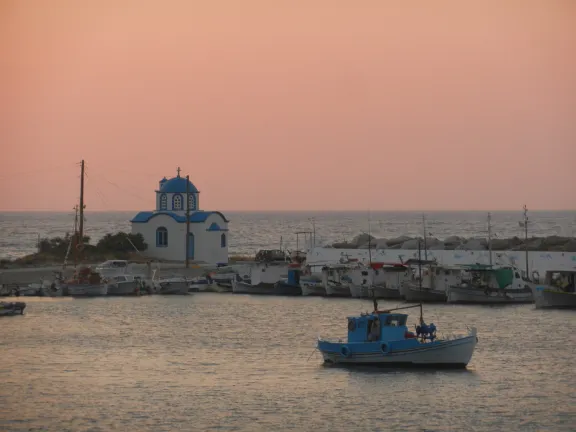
(164, 229)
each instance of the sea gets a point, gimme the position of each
(225, 362)
(252, 231)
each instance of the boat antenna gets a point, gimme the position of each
(526, 237)
(490, 237)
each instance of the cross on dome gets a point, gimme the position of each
(178, 170)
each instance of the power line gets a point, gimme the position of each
(35, 172)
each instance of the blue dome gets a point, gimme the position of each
(177, 185)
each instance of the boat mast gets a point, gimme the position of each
(75, 238)
(419, 265)
(187, 221)
(425, 245)
(490, 237)
(81, 220)
(369, 241)
(526, 238)
(313, 232)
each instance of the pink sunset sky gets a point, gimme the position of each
(288, 105)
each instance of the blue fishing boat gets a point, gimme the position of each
(383, 338)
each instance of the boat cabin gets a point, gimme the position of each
(499, 277)
(376, 327)
(337, 274)
(386, 326)
(561, 280)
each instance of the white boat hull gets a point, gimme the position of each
(554, 299)
(173, 287)
(360, 291)
(315, 289)
(337, 290)
(479, 296)
(87, 290)
(123, 288)
(450, 353)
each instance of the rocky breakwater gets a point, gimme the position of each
(552, 243)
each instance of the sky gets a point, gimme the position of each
(288, 105)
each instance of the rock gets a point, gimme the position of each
(412, 244)
(381, 243)
(474, 244)
(502, 244)
(453, 240)
(361, 239)
(554, 241)
(397, 240)
(369, 245)
(570, 246)
(438, 246)
(344, 245)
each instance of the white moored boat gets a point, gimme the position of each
(124, 285)
(86, 283)
(557, 292)
(312, 286)
(486, 284)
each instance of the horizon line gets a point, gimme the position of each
(306, 211)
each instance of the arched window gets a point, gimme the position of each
(161, 237)
(177, 202)
(192, 202)
(163, 202)
(223, 240)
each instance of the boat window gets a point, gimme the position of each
(395, 320)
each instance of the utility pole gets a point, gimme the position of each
(187, 219)
(81, 216)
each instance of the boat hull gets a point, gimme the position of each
(382, 292)
(285, 289)
(338, 291)
(463, 295)
(87, 290)
(455, 353)
(360, 291)
(424, 295)
(12, 308)
(124, 288)
(316, 290)
(239, 287)
(173, 288)
(554, 299)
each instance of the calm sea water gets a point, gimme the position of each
(243, 363)
(253, 231)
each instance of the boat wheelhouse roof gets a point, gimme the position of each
(379, 314)
(484, 267)
(387, 265)
(113, 263)
(416, 261)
